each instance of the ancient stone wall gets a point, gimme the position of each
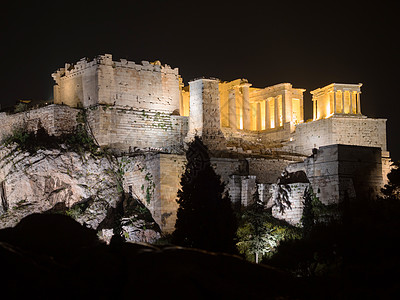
(76, 84)
(347, 130)
(55, 119)
(148, 86)
(339, 171)
(267, 170)
(141, 179)
(225, 167)
(171, 169)
(127, 129)
(292, 215)
(241, 189)
(154, 179)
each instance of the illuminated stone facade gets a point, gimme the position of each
(253, 133)
(336, 98)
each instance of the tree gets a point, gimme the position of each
(205, 218)
(253, 234)
(392, 188)
(308, 217)
(259, 233)
(282, 201)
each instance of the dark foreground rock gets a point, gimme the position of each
(52, 256)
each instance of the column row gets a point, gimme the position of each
(259, 115)
(344, 102)
(349, 102)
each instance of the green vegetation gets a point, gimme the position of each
(348, 249)
(78, 209)
(259, 233)
(78, 141)
(20, 107)
(205, 218)
(391, 190)
(19, 136)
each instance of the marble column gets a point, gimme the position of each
(258, 116)
(284, 108)
(351, 101)
(314, 109)
(267, 115)
(334, 103)
(246, 106)
(342, 102)
(232, 108)
(276, 114)
(358, 103)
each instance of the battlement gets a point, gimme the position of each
(74, 69)
(104, 81)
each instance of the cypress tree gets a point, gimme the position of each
(205, 218)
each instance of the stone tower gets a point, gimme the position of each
(204, 119)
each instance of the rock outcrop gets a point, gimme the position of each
(81, 185)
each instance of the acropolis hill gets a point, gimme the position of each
(144, 112)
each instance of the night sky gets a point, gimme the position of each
(307, 45)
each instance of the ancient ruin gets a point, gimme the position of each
(144, 112)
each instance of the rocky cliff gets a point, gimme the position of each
(79, 184)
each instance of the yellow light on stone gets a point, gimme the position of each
(262, 115)
(328, 110)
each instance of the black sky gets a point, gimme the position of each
(307, 44)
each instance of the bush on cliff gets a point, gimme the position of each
(77, 141)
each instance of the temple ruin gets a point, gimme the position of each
(254, 134)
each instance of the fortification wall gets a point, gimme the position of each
(346, 130)
(339, 171)
(225, 167)
(55, 119)
(145, 86)
(76, 84)
(172, 167)
(154, 179)
(148, 86)
(141, 179)
(125, 129)
(292, 215)
(267, 170)
(241, 189)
